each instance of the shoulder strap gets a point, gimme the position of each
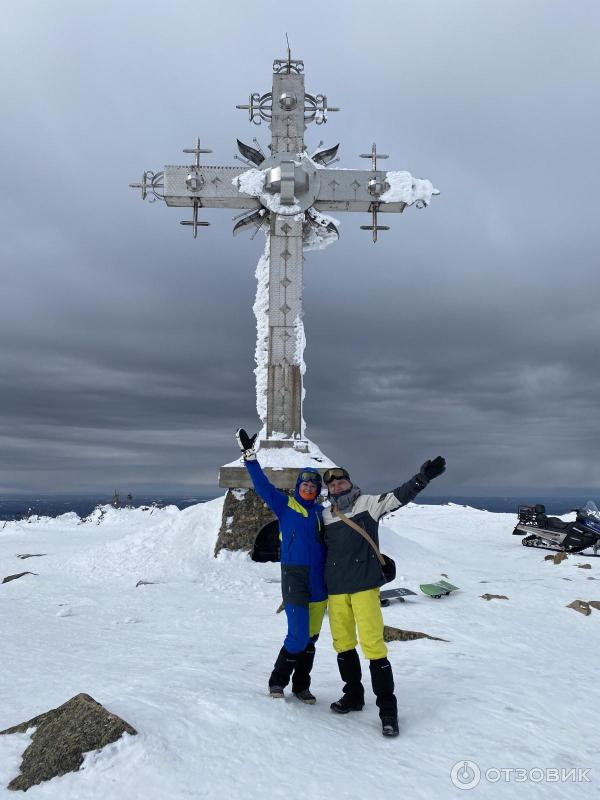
(362, 532)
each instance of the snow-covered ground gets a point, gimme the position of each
(185, 660)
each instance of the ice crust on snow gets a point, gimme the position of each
(208, 629)
(406, 189)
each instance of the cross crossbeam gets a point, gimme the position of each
(336, 189)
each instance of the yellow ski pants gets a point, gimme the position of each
(316, 612)
(361, 610)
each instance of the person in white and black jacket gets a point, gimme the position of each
(353, 576)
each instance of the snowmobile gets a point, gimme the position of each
(551, 533)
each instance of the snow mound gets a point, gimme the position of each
(162, 545)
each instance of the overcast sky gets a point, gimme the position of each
(471, 329)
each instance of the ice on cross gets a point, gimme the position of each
(287, 194)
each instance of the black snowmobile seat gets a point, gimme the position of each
(554, 523)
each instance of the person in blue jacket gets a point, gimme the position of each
(302, 570)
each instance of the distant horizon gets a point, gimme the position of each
(22, 506)
(217, 492)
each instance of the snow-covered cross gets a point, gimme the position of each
(284, 193)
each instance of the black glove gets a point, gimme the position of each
(246, 444)
(431, 469)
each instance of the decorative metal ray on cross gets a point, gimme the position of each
(285, 193)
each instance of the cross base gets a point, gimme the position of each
(281, 460)
(244, 514)
(237, 477)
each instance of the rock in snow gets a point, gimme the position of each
(10, 578)
(391, 634)
(582, 606)
(62, 736)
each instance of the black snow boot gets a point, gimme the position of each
(389, 726)
(382, 680)
(353, 698)
(282, 672)
(301, 676)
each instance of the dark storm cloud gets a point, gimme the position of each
(471, 328)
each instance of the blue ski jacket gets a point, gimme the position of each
(300, 531)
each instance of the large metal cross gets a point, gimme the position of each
(285, 191)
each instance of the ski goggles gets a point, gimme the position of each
(309, 476)
(335, 474)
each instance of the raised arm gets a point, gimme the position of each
(273, 497)
(407, 492)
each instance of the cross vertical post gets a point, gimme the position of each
(284, 388)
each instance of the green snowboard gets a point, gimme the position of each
(437, 589)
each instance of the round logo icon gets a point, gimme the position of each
(465, 774)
